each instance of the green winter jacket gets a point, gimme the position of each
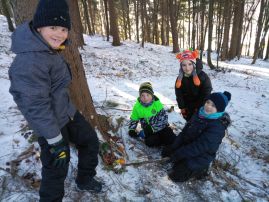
(153, 115)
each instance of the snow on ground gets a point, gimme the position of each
(114, 75)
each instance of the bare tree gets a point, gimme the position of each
(6, 12)
(173, 21)
(136, 11)
(107, 19)
(227, 21)
(114, 30)
(258, 34)
(210, 29)
(87, 17)
(267, 50)
(238, 12)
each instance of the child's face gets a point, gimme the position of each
(187, 66)
(146, 97)
(54, 35)
(210, 107)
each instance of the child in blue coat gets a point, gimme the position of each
(196, 146)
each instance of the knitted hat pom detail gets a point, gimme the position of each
(188, 55)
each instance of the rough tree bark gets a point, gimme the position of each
(114, 30)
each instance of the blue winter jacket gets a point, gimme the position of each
(199, 141)
(39, 83)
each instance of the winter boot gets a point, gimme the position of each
(92, 186)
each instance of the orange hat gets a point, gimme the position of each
(188, 55)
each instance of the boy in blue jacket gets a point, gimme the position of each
(39, 84)
(196, 146)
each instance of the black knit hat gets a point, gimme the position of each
(220, 100)
(52, 13)
(146, 87)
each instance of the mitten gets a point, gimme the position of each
(141, 134)
(132, 134)
(166, 152)
(184, 113)
(59, 151)
(148, 130)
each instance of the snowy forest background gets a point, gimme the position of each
(123, 43)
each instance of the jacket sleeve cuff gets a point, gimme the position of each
(55, 139)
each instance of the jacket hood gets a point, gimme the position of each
(26, 39)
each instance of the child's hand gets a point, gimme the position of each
(133, 134)
(184, 113)
(167, 151)
(59, 151)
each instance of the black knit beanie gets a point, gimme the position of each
(220, 100)
(52, 13)
(146, 87)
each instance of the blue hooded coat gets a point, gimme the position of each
(199, 141)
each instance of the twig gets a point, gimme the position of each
(249, 182)
(231, 183)
(138, 163)
(19, 178)
(24, 155)
(102, 107)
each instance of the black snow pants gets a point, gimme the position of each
(79, 132)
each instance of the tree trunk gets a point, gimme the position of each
(124, 18)
(136, 9)
(92, 14)
(173, 22)
(23, 10)
(7, 14)
(227, 21)
(142, 2)
(128, 19)
(76, 27)
(249, 18)
(240, 28)
(87, 18)
(189, 23)
(210, 29)
(107, 20)
(267, 50)
(167, 23)
(155, 22)
(193, 25)
(235, 31)
(202, 32)
(147, 24)
(162, 22)
(114, 30)
(79, 91)
(258, 34)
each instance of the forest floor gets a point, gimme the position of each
(241, 171)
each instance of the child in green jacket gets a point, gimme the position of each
(149, 111)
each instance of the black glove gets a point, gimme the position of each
(148, 130)
(167, 152)
(59, 151)
(133, 134)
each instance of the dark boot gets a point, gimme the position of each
(201, 174)
(92, 186)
